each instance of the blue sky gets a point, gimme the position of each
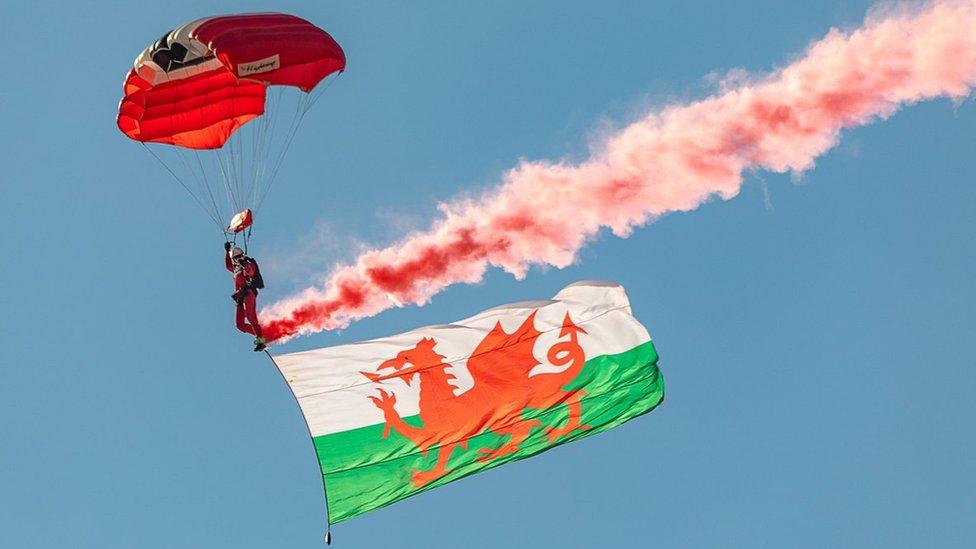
(815, 334)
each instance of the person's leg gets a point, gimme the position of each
(241, 325)
(250, 310)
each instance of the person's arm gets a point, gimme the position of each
(227, 262)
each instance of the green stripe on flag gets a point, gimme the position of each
(364, 471)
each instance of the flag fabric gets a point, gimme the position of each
(399, 415)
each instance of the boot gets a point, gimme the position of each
(259, 344)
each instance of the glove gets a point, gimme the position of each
(226, 246)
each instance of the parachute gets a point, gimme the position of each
(198, 88)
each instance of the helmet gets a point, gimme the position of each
(236, 253)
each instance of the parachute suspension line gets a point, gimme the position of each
(198, 180)
(247, 180)
(325, 490)
(235, 159)
(199, 202)
(232, 158)
(305, 103)
(273, 129)
(264, 136)
(260, 133)
(206, 182)
(258, 136)
(247, 238)
(301, 109)
(235, 146)
(270, 123)
(255, 137)
(321, 91)
(266, 182)
(223, 180)
(228, 186)
(240, 171)
(273, 125)
(296, 121)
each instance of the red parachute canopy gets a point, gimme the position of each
(200, 82)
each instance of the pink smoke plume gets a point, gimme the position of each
(669, 161)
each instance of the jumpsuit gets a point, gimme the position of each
(247, 306)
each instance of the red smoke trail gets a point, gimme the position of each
(672, 160)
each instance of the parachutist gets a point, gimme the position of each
(247, 282)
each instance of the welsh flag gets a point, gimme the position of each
(396, 416)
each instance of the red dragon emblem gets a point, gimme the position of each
(502, 391)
